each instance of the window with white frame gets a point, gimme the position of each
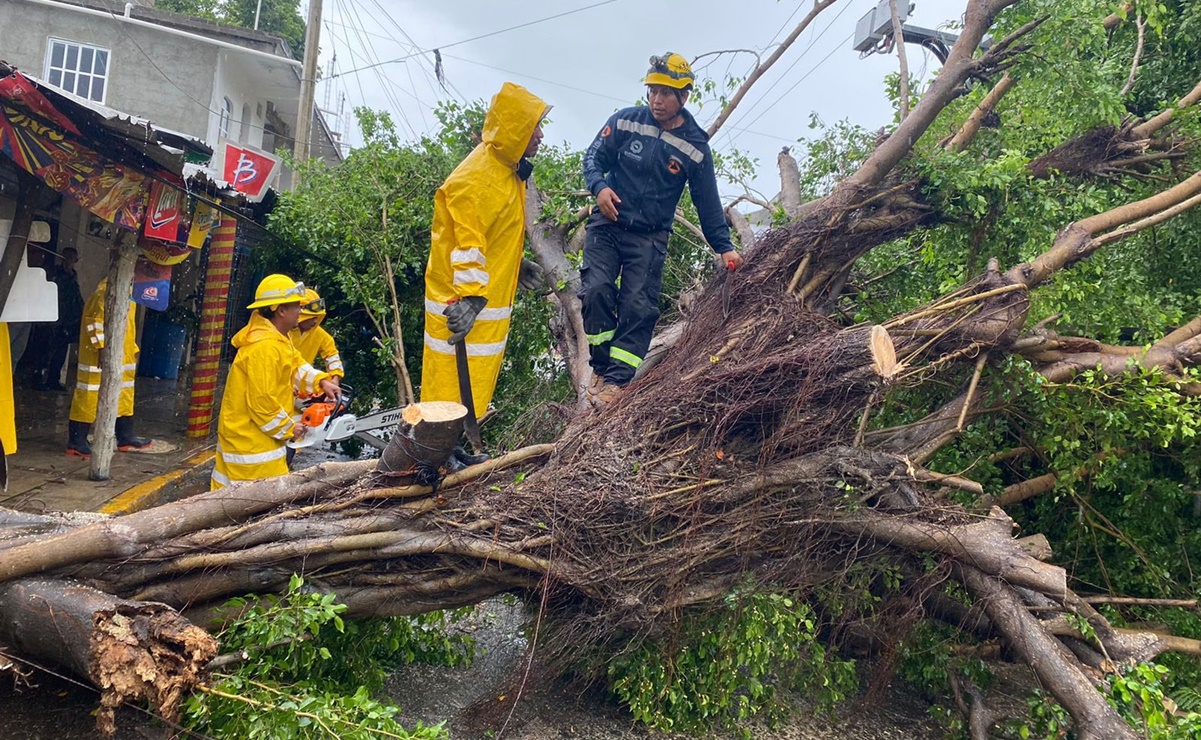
(227, 114)
(81, 69)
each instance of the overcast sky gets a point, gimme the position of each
(591, 62)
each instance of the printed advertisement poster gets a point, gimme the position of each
(151, 284)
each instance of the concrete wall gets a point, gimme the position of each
(174, 92)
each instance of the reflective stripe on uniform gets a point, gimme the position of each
(639, 128)
(255, 459)
(688, 149)
(474, 349)
(598, 339)
(221, 478)
(280, 418)
(130, 366)
(468, 255)
(487, 314)
(88, 386)
(667, 137)
(629, 358)
(472, 275)
(333, 362)
(127, 384)
(89, 369)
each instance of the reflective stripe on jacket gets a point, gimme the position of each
(317, 342)
(477, 240)
(648, 167)
(256, 407)
(91, 341)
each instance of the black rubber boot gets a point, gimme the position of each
(77, 439)
(126, 439)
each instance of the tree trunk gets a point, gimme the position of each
(112, 361)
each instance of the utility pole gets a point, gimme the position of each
(308, 81)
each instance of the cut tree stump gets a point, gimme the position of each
(424, 441)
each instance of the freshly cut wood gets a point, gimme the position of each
(423, 443)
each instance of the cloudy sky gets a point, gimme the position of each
(590, 62)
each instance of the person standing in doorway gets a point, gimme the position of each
(636, 168)
(65, 331)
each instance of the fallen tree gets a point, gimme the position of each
(748, 451)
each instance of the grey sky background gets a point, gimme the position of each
(591, 62)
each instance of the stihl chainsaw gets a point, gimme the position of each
(331, 421)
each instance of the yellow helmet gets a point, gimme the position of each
(312, 306)
(276, 290)
(670, 69)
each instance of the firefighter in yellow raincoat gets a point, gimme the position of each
(87, 379)
(475, 255)
(256, 409)
(8, 410)
(311, 341)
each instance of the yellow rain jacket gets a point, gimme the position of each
(477, 240)
(256, 407)
(8, 410)
(318, 342)
(91, 341)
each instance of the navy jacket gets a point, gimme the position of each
(647, 167)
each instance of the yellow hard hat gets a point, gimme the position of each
(275, 290)
(313, 305)
(670, 69)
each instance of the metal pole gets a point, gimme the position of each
(217, 279)
(308, 80)
(257, 9)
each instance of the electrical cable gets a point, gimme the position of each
(486, 35)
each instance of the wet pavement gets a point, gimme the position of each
(42, 477)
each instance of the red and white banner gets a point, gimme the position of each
(248, 171)
(162, 217)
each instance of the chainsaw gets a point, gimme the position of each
(331, 421)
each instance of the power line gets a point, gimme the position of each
(791, 66)
(803, 77)
(486, 35)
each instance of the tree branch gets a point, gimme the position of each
(760, 69)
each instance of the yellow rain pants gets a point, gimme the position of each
(477, 240)
(91, 341)
(8, 410)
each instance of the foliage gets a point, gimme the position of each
(279, 17)
(726, 666)
(307, 673)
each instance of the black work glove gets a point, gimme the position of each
(460, 316)
(531, 276)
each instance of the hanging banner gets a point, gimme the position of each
(151, 284)
(19, 88)
(111, 191)
(202, 222)
(163, 252)
(165, 212)
(248, 171)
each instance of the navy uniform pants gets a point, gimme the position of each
(620, 280)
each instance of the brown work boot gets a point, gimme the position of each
(606, 395)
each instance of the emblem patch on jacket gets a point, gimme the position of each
(674, 166)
